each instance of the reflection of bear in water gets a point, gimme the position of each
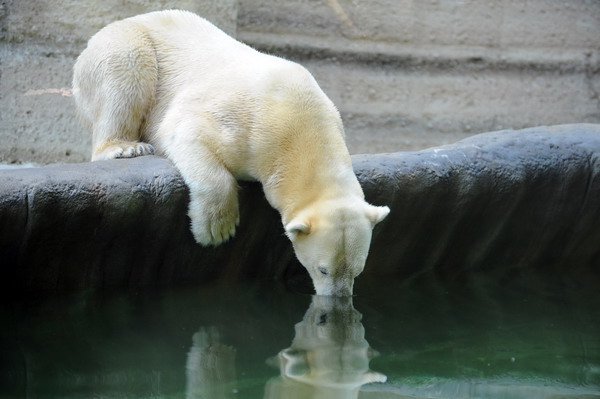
(329, 356)
(210, 367)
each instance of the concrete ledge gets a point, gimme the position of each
(508, 203)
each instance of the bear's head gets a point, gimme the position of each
(331, 240)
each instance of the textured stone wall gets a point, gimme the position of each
(409, 74)
(509, 204)
(405, 74)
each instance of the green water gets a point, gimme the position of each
(424, 339)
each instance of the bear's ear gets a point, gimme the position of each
(377, 213)
(296, 227)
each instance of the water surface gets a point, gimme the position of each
(392, 340)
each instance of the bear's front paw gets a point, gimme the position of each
(125, 149)
(213, 226)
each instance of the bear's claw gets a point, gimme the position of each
(124, 150)
(212, 233)
(215, 229)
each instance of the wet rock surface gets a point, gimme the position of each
(506, 204)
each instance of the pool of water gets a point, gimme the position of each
(392, 340)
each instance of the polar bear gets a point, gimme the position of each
(171, 83)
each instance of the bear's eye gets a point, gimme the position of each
(322, 270)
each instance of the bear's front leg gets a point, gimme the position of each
(213, 207)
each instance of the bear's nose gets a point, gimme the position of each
(342, 292)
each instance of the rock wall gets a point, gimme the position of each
(506, 204)
(405, 74)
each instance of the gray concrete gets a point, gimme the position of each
(509, 204)
(405, 74)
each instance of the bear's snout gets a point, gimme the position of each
(334, 288)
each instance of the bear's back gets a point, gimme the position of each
(175, 28)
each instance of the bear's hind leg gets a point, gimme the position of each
(115, 80)
(117, 131)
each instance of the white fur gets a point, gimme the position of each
(171, 82)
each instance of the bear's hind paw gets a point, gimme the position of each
(128, 149)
